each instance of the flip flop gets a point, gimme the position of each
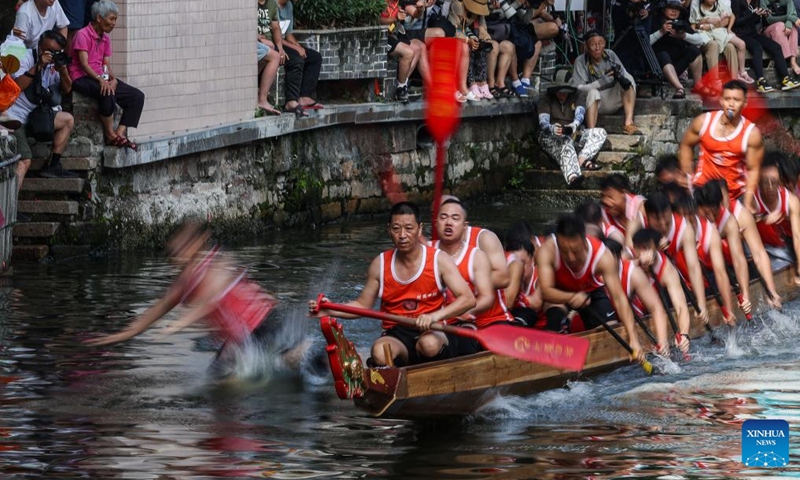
(314, 106)
(128, 143)
(679, 94)
(590, 165)
(116, 142)
(298, 111)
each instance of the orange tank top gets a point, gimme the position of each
(774, 235)
(723, 157)
(586, 280)
(420, 294)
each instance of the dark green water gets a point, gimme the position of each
(146, 409)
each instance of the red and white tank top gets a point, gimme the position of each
(723, 215)
(420, 294)
(473, 235)
(626, 268)
(776, 233)
(586, 279)
(466, 267)
(675, 234)
(723, 157)
(703, 234)
(633, 204)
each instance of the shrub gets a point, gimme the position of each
(318, 14)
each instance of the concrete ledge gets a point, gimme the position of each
(269, 127)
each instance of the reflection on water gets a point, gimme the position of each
(145, 409)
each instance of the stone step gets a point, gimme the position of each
(558, 198)
(77, 164)
(29, 252)
(647, 123)
(70, 251)
(36, 229)
(56, 207)
(554, 179)
(624, 143)
(611, 159)
(60, 185)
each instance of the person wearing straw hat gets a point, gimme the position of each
(561, 116)
(607, 86)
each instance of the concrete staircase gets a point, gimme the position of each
(57, 207)
(661, 123)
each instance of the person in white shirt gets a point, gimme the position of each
(35, 17)
(39, 65)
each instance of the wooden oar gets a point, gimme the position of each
(693, 301)
(648, 368)
(737, 290)
(560, 351)
(712, 283)
(645, 329)
(443, 111)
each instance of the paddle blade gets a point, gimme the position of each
(560, 351)
(443, 114)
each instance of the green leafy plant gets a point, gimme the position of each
(318, 14)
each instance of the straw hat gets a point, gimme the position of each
(478, 7)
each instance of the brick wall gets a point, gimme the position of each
(194, 59)
(358, 53)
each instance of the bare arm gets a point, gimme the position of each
(607, 268)
(451, 277)
(720, 273)
(277, 37)
(691, 138)
(515, 273)
(671, 281)
(491, 246)
(483, 284)
(747, 225)
(689, 247)
(365, 300)
(737, 256)
(651, 301)
(754, 158)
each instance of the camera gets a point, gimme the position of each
(682, 26)
(566, 131)
(61, 59)
(511, 10)
(484, 46)
(616, 72)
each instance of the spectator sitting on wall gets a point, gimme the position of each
(417, 21)
(408, 52)
(92, 76)
(518, 42)
(747, 25)
(270, 52)
(303, 66)
(600, 76)
(668, 39)
(560, 119)
(714, 20)
(782, 24)
(38, 66)
(34, 17)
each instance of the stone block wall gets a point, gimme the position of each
(308, 177)
(8, 197)
(358, 53)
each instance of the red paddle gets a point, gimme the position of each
(535, 346)
(442, 114)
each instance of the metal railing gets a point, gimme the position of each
(8, 208)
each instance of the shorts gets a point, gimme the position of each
(23, 147)
(395, 40)
(408, 337)
(418, 34)
(610, 98)
(262, 50)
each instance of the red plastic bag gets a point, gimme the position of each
(9, 91)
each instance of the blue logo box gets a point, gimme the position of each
(765, 443)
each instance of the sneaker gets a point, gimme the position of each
(401, 94)
(788, 84)
(57, 171)
(743, 76)
(476, 92)
(521, 91)
(762, 86)
(487, 94)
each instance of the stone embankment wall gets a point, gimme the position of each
(308, 177)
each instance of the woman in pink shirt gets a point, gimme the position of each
(92, 75)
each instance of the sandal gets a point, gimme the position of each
(314, 106)
(680, 94)
(590, 165)
(297, 110)
(575, 182)
(631, 129)
(116, 142)
(128, 143)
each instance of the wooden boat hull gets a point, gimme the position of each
(460, 386)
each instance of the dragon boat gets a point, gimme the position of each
(460, 386)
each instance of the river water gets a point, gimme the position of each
(147, 410)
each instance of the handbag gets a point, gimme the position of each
(42, 123)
